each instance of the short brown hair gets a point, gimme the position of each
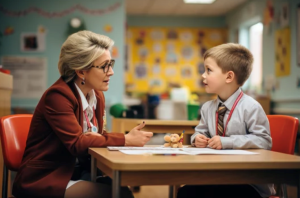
(232, 57)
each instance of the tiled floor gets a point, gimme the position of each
(153, 192)
(292, 191)
(163, 192)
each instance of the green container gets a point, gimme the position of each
(193, 111)
(117, 110)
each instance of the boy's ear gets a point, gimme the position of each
(230, 77)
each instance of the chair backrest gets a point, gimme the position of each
(283, 132)
(13, 133)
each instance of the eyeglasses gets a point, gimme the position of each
(106, 65)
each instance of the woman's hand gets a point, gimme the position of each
(136, 137)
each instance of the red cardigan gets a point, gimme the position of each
(54, 141)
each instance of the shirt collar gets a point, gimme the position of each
(92, 101)
(230, 101)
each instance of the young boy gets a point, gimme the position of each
(232, 121)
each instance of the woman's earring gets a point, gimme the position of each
(83, 82)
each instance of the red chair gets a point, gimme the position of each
(13, 133)
(283, 132)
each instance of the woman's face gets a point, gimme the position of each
(96, 78)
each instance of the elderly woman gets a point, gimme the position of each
(68, 120)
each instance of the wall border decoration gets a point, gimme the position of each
(60, 14)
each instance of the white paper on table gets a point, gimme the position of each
(116, 148)
(186, 151)
(151, 152)
(198, 151)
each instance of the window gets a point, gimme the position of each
(255, 46)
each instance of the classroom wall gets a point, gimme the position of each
(175, 21)
(56, 35)
(287, 97)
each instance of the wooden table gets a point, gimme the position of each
(137, 170)
(157, 126)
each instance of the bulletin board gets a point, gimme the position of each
(29, 75)
(158, 57)
(282, 52)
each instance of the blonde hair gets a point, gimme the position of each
(79, 52)
(232, 57)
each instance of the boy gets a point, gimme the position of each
(232, 121)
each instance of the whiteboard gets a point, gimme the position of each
(29, 75)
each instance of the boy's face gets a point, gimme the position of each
(213, 77)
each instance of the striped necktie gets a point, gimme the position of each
(221, 112)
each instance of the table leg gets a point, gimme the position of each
(116, 188)
(298, 186)
(93, 169)
(284, 191)
(171, 191)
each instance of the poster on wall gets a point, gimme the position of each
(282, 52)
(29, 75)
(284, 15)
(268, 16)
(33, 42)
(169, 56)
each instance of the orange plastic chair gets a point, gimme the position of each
(13, 133)
(283, 132)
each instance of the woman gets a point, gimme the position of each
(68, 120)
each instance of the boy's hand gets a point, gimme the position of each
(201, 141)
(215, 143)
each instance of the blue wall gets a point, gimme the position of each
(56, 35)
(175, 21)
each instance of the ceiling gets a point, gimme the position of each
(179, 8)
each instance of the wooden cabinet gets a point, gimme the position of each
(264, 101)
(6, 86)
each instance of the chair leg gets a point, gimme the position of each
(4, 182)
(284, 191)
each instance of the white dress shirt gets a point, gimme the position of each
(88, 107)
